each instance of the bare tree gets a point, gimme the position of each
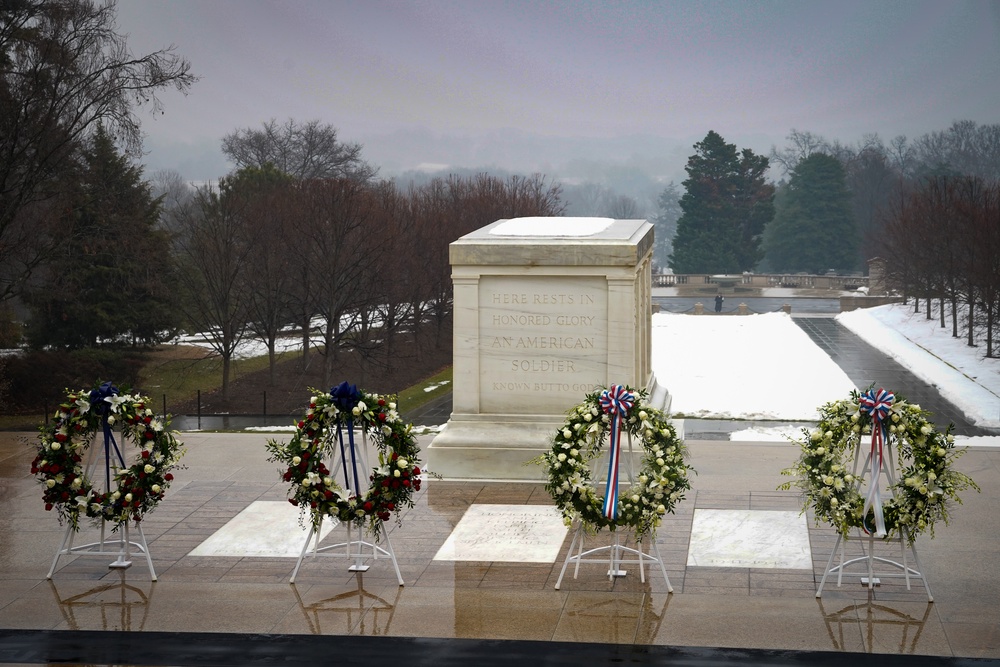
(304, 151)
(214, 252)
(64, 70)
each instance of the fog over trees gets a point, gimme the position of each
(305, 234)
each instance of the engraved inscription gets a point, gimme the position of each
(543, 341)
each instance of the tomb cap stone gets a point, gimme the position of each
(555, 241)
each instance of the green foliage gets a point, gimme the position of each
(109, 280)
(726, 205)
(813, 229)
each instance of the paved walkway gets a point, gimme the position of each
(242, 610)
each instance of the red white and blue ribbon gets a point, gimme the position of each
(877, 404)
(615, 401)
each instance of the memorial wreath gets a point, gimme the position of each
(663, 475)
(922, 491)
(130, 491)
(330, 417)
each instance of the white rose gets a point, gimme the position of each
(148, 468)
(56, 446)
(155, 488)
(128, 497)
(50, 483)
(567, 433)
(561, 457)
(362, 406)
(356, 411)
(395, 473)
(587, 417)
(401, 462)
(306, 482)
(833, 502)
(642, 414)
(328, 481)
(296, 460)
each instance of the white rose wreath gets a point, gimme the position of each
(925, 480)
(662, 479)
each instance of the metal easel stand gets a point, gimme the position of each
(615, 558)
(615, 553)
(351, 549)
(120, 546)
(900, 569)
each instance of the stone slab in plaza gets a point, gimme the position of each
(547, 310)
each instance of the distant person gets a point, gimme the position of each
(718, 302)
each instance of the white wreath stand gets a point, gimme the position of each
(351, 549)
(615, 553)
(106, 546)
(901, 568)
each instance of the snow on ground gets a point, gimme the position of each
(751, 367)
(765, 367)
(960, 373)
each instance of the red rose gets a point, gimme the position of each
(368, 507)
(301, 424)
(390, 506)
(381, 416)
(416, 470)
(293, 501)
(168, 477)
(406, 482)
(147, 419)
(60, 437)
(150, 435)
(381, 402)
(287, 476)
(395, 483)
(48, 507)
(385, 482)
(145, 455)
(328, 493)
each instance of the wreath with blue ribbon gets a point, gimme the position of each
(129, 491)
(328, 430)
(663, 474)
(870, 422)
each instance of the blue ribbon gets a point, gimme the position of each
(102, 407)
(346, 397)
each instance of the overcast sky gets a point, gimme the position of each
(505, 83)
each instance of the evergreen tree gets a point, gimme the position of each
(726, 206)
(665, 224)
(110, 282)
(813, 229)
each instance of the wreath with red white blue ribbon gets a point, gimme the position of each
(663, 474)
(328, 430)
(871, 423)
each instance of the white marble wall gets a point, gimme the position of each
(546, 311)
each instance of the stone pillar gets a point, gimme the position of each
(742, 309)
(786, 308)
(699, 309)
(546, 311)
(876, 277)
